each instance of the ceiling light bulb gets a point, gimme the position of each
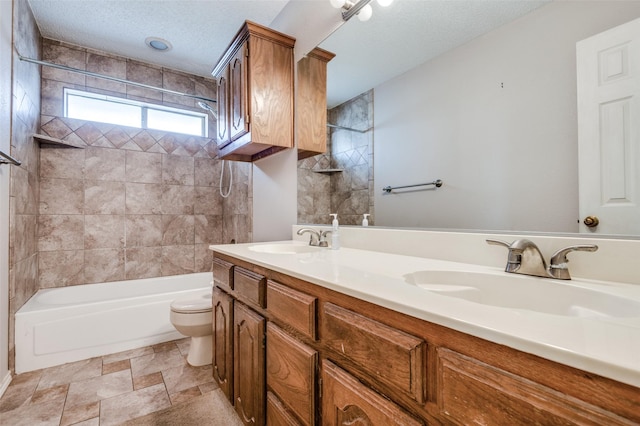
(365, 13)
(385, 3)
(337, 3)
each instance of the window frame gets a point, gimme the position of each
(144, 108)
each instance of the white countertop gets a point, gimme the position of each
(609, 347)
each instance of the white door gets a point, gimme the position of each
(608, 76)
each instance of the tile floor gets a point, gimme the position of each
(106, 390)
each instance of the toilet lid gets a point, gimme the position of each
(193, 306)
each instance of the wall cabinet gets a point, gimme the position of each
(311, 103)
(255, 94)
(332, 359)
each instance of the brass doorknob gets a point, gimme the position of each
(591, 221)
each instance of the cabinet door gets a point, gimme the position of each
(291, 373)
(346, 401)
(249, 365)
(223, 341)
(223, 108)
(238, 102)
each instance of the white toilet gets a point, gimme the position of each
(192, 317)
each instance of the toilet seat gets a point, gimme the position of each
(192, 306)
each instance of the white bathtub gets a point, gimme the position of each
(67, 324)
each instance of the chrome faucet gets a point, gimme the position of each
(317, 238)
(525, 258)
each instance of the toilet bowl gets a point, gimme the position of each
(192, 317)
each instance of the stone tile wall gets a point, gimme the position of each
(350, 192)
(23, 199)
(133, 203)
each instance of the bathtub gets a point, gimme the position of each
(67, 324)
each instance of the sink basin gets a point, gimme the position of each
(284, 248)
(524, 292)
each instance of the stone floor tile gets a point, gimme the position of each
(99, 388)
(113, 367)
(58, 393)
(134, 404)
(133, 353)
(91, 422)
(141, 382)
(45, 414)
(208, 387)
(184, 345)
(80, 413)
(185, 376)
(159, 361)
(20, 390)
(71, 372)
(166, 346)
(184, 395)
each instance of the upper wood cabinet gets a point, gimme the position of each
(311, 103)
(255, 94)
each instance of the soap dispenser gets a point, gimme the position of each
(335, 232)
(365, 221)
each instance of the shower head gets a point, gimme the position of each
(206, 106)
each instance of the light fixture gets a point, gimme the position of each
(362, 8)
(158, 44)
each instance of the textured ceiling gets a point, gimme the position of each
(396, 39)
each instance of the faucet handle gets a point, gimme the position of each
(559, 267)
(498, 243)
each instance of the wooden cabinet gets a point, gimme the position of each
(249, 365)
(255, 94)
(222, 305)
(346, 401)
(332, 359)
(311, 103)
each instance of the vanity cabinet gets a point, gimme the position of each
(222, 361)
(311, 103)
(333, 359)
(255, 94)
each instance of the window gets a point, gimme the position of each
(124, 112)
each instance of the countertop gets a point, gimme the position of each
(606, 346)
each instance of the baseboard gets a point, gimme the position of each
(5, 383)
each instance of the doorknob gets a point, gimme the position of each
(591, 221)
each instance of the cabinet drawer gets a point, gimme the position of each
(291, 372)
(389, 355)
(249, 286)
(293, 308)
(472, 392)
(223, 274)
(346, 401)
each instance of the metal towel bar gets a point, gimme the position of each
(437, 183)
(7, 159)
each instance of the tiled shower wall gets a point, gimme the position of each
(23, 200)
(348, 192)
(133, 203)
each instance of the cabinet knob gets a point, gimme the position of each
(591, 221)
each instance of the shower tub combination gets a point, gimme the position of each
(67, 324)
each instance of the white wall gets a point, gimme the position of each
(494, 119)
(5, 142)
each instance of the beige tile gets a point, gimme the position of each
(57, 393)
(103, 265)
(148, 380)
(178, 170)
(143, 262)
(65, 163)
(71, 372)
(177, 230)
(178, 199)
(143, 167)
(104, 164)
(165, 346)
(45, 414)
(20, 390)
(104, 231)
(143, 230)
(104, 197)
(158, 361)
(144, 198)
(99, 388)
(107, 65)
(184, 345)
(26, 243)
(183, 377)
(208, 387)
(60, 232)
(90, 422)
(184, 395)
(177, 260)
(203, 258)
(80, 413)
(61, 196)
(113, 367)
(134, 404)
(125, 355)
(61, 268)
(208, 229)
(207, 172)
(207, 200)
(147, 74)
